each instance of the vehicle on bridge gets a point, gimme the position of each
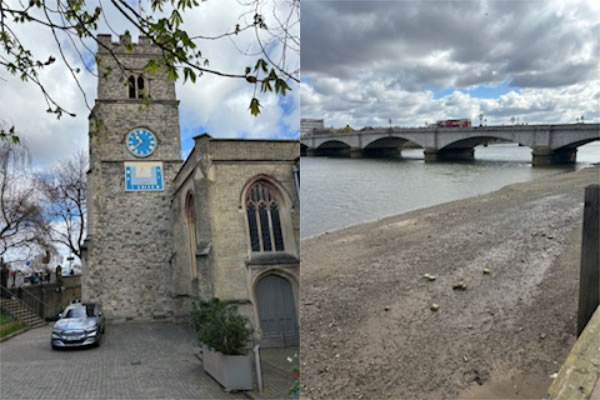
(454, 123)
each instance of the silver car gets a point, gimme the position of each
(80, 324)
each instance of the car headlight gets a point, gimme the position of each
(57, 334)
(91, 331)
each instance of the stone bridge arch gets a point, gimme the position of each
(386, 140)
(333, 147)
(330, 141)
(460, 145)
(303, 148)
(572, 142)
(466, 141)
(333, 144)
(385, 146)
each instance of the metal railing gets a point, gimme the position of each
(34, 304)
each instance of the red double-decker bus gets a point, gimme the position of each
(454, 123)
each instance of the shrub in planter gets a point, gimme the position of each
(220, 327)
(225, 336)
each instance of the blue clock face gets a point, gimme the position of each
(141, 142)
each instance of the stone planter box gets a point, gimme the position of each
(232, 372)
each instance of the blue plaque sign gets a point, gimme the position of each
(143, 176)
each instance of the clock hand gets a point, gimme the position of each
(140, 141)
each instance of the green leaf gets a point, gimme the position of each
(189, 73)
(281, 86)
(266, 86)
(260, 63)
(151, 67)
(176, 19)
(173, 73)
(254, 107)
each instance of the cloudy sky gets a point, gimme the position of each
(365, 62)
(215, 105)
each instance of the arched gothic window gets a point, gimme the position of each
(190, 217)
(264, 222)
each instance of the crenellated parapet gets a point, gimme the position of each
(127, 79)
(124, 45)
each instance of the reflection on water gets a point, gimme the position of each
(338, 192)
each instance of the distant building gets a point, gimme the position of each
(308, 125)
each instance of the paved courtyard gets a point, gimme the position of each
(150, 360)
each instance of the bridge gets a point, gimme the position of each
(550, 144)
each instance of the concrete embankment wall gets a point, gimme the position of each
(579, 376)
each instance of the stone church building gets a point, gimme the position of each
(164, 233)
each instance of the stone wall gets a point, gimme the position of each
(217, 173)
(53, 297)
(130, 241)
(128, 259)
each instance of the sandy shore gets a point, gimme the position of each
(367, 328)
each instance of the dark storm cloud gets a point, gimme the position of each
(481, 42)
(562, 75)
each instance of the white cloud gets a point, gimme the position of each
(376, 103)
(220, 104)
(416, 62)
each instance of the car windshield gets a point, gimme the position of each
(80, 312)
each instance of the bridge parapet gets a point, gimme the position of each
(549, 143)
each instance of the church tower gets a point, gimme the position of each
(135, 154)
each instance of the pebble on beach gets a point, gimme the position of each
(430, 277)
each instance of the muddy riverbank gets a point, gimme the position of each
(367, 327)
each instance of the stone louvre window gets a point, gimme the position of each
(135, 87)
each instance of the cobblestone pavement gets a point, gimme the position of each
(277, 373)
(136, 360)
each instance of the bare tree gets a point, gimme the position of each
(63, 192)
(21, 223)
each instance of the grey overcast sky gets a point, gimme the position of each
(365, 62)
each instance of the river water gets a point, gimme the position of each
(339, 192)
